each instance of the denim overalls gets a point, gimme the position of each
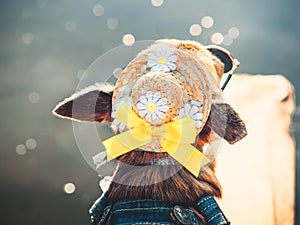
(154, 212)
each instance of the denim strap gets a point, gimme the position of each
(209, 208)
(97, 208)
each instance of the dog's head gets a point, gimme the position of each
(169, 81)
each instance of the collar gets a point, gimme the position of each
(165, 161)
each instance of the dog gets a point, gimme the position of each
(166, 110)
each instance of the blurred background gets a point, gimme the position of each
(46, 45)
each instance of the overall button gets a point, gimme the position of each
(182, 215)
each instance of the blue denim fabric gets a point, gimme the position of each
(138, 212)
(209, 208)
(145, 212)
(97, 208)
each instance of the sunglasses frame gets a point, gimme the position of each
(225, 57)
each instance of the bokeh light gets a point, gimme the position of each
(128, 39)
(157, 3)
(227, 40)
(31, 143)
(98, 10)
(195, 29)
(112, 23)
(69, 188)
(27, 38)
(207, 22)
(34, 97)
(217, 38)
(233, 33)
(71, 25)
(21, 150)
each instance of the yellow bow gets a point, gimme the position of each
(175, 138)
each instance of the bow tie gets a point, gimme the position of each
(175, 138)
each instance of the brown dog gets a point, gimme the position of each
(162, 84)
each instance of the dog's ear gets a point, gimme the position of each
(92, 104)
(226, 123)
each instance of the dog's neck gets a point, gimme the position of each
(147, 175)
